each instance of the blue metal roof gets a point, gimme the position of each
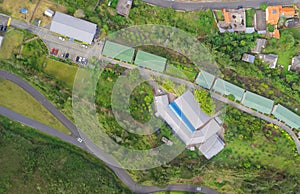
(23, 10)
(181, 116)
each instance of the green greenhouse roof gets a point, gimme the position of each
(258, 102)
(226, 88)
(205, 79)
(150, 61)
(290, 118)
(118, 51)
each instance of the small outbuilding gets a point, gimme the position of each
(23, 10)
(271, 59)
(123, 7)
(49, 13)
(248, 58)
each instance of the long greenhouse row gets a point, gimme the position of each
(204, 79)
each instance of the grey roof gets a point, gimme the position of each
(212, 146)
(205, 79)
(258, 102)
(260, 43)
(260, 20)
(248, 58)
(73, 27)
(284, 114)
(4, 19)
(1, 39)
(189, 137)
(191, 109)
(271, 59)
(226, 88)
(296, 63)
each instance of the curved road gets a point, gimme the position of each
(218, 4)
(121, 173)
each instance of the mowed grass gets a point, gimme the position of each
(61, 71)
(13, 8)
(16, 99)
(12, 40)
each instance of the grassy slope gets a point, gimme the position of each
(11, 41)
(61, 71)
(32, 162)
(16, 99)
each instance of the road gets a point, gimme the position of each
(86, 145)
(192, 6)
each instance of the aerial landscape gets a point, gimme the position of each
(149, 96)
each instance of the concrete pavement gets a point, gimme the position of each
(192, 6)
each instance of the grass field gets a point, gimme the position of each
(18, 100)
(61, 71)
(13, 8)
(32, 162)
(11, 42)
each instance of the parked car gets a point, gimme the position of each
(61, 38)
(55, 51)
(79, 140)
(52, 51)
(84, 46)
(67, 55)
(77, 59)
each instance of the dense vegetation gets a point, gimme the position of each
(258, 158)
(32, 162)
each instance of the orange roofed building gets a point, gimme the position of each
(276, 34)
(274, 12)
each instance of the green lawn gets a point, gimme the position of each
(286, 48)
(12, 40)
(32, 162)
(219, 15)
(250, 17)
(18, 100)
(61, 71)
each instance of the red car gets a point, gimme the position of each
(52, 51)
(55, 52)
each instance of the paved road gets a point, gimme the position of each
(192, 6)
(86, 145)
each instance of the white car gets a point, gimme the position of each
(198, 188)
(61, 38)
(84, 46)
(79, 140)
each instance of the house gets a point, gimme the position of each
(1, 40)
(295, 66)
(188, 121)
(260, 21)
(212, 146)
(273, 14)
(271, 59)
(123, 7)
(74, 28)
(234, 21)
(292, 23)
(49, 13)
(260, 44)
(248, 58)
(287, 12)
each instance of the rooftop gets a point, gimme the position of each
(123, 7)
(226, 88)
(260, 43)
(118, 51)
(212, 146)
(72, 27)
(273, 13)
(234, 19)
(186, 118)
(150, 61)
(248, 58)
(260, 20)
(4, 19)
(296, 63)
(257, 102)
(284, 114)
(271, 59)
(205, 79)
